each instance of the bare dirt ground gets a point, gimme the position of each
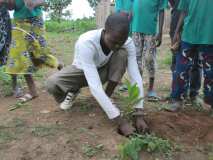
(40, 131)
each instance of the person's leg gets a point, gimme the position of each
(138, 41)
(69, 79)
(207, 54)
(14, 82)
(149, 52)
(32, 89)
(31, 85)
(195, 81)
(195, 76)
(117, 68)
(180, 82)
(17, 90)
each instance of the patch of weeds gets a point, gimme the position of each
(5, 82)
(91, 151)
(150, 143)
(6, 136)
(163, 106)
(17, 105)
(87, 131)
(85, 108)
(17, 122)
(115, 158)
(43, 131)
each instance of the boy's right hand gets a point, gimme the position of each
(176, 42)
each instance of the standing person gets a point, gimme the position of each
(147, 38)
(101, 56)
(195, 72)
(28, 49)
(197, 36)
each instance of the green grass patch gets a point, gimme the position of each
(6, 136)
(80, 25)
(44, 131)
(91, 151)
(150, 143)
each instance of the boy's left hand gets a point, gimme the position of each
(158, 39)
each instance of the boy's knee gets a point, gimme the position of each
(51, 84)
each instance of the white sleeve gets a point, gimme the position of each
(89, 68)
(133, 70)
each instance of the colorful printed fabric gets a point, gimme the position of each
(145, 52)
(29, 48)
(5, 34)
(184, 62)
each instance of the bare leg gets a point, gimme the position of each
(14, 82)
(31, 85)
(151, 83)
(110, 87)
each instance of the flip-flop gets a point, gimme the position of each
(27, 97)
(152, 96)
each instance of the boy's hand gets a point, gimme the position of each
(158, 39)
(176, 41)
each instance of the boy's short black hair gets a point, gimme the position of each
(117, 22)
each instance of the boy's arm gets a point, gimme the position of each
(179, 27)
(94, 82)
(133, 71)
(160, 32)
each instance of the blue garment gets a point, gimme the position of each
(5, 34)
(184, 61)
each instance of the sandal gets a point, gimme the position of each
(27, 97)
(152, 96)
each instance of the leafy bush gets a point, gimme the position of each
(5, 82)
(150, 143)
(80, 25)
(129, 101)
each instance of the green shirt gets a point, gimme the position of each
(198, 24)
(22, 12)
(123, 5)
(145, 15)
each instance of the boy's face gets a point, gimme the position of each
(114, 40)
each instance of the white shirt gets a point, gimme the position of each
(89, 56)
